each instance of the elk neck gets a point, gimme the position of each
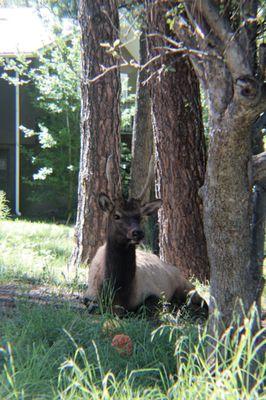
(120, 264)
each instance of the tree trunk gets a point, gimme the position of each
(142, 145)
(142, 138)
(259, 190)
(227, 218)
(180, 154)
(100, 119)
(236, 97)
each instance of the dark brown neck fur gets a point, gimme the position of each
(120, 269)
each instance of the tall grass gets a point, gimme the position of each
(63, 354)
(40, 343)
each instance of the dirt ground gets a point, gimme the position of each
(12, 294)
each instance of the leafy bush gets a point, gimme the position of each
(55, 94)
(4, 209)
(51, 167)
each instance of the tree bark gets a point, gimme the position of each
(259, 167)
(180, 153)
(142, 138)
(236, 98)
(100, 121)
(227, 219)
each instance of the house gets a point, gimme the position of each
(25, 31)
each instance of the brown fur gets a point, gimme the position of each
(136, 275)
(153, 278)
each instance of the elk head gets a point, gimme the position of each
(125, 214)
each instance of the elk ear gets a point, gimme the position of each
(105, 202)
(152, 207)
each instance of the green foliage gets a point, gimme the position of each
(55, 92)
(4, 209)
(125, 166)
(15, 70)
(57, 81)
(128, 109)
(128, 112)
(51, 168)
(63, 8)
(127, 105)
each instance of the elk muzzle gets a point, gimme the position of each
(135, 235)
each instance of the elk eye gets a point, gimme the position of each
(117, 216)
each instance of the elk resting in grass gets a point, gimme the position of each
(135, 276)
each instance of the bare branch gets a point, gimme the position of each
(237, 61)
(203, 32)
(166, 39)
(153, 75)
(184, 50)
(167, 51)
(259, 167)
(218, 23)
(103, 10)
(247, 30)
(181, 48)
(106, 70)
(183, 32)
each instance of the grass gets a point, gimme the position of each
(65, 354)
(35, 252)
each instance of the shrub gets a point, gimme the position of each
(4, 209)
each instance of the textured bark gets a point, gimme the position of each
(259, 158)
(259, 203)
(236, 99)
(259, 167)
(227, 219)
(142, 138)
(100, 119)
(179, 155)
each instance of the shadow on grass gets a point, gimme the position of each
(42, 338)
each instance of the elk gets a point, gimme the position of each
(137, 277)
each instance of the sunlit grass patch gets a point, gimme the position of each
(35, 251)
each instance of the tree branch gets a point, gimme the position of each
(204, 34)
(236, 59)
(259, 167)
(179, 47)
(248, 29)
(167, 51)
(183, 32)
(106, 70)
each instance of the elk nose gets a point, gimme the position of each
(137, 234)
